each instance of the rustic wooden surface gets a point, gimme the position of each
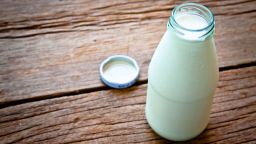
(50, 52)
(117, 116)
(53, 47)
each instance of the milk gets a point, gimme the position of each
(182, 78)
(191, 21)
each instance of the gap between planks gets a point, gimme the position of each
(100, 88)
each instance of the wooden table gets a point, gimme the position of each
(50, 51)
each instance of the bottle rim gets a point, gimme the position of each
(202, 11)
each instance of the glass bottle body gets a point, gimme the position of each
(182, 79)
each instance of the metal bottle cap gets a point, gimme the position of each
(119, 71)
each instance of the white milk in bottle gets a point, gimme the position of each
(183, 75)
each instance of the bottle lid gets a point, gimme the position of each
(119, 71)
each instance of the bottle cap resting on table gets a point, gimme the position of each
(119, 71)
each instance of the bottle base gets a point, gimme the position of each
(169, 137)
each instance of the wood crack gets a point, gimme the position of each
(6, 134)
(75, 141)
(235, 108)
(89, 90)
(243, 65)
(219, 140)
(29, 116)
(52, 96)
(231, 4)
(36, 34)
(235, 13)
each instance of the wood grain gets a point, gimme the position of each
(117, 116)
(50, 47)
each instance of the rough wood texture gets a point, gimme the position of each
(50, 47)
(117, 116)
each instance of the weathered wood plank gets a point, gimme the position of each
(49, 47)
(117, 116)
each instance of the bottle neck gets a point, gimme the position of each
(192, 21)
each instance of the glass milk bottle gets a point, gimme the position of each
(183, 75)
